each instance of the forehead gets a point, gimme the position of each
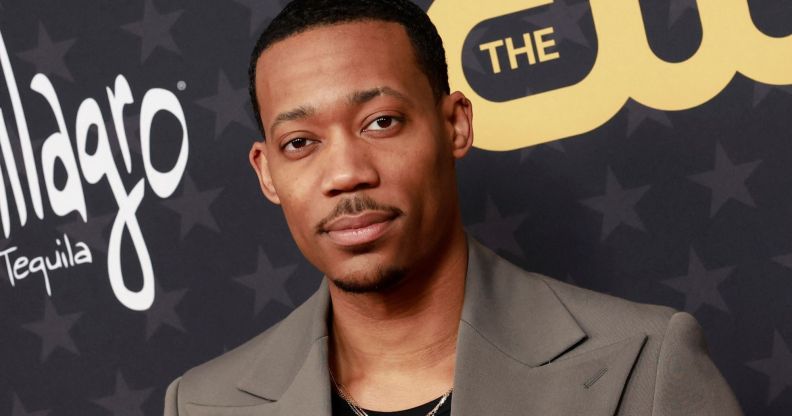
(324, 64)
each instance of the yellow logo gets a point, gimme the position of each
(625, 67)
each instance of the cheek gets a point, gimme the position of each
(423, 175)
(301, 224)
(291, 185)
(296, 224)
(296, 203)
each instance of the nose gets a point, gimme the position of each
(348, 166)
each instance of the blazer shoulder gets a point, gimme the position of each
(688, 382)
(605, 317)
(673, 344)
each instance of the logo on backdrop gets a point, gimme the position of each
(624, 66)
(95, 163)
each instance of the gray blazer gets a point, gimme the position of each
(527, 345)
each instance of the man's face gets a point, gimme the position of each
(359, 152)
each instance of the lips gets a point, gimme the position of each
(350, 231)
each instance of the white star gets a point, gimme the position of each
(229, 105)
(700, 285)
(194, 207)
(163, 310)
(726, 180)
(154, 30)
(777, 367)
(638, 113)
(617, 205)
(497, 231)
(124, 401)
(268, 283)
(53, 329)
(48, 56)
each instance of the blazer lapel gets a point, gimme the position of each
(290, 373)
(516, 349)
(308, 394)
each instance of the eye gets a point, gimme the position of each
(298, 144)
(382, 123)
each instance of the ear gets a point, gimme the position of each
(258, 160)
(458, 114)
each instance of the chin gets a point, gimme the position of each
(380, 280)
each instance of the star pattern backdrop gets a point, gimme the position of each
(689, 209)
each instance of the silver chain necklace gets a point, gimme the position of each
(360, 412)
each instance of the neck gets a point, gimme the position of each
(386, 346)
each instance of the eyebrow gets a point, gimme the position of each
(364, 96)
(355, 98)
(298, 113)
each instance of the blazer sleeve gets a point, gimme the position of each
(171, 396)
(688, 383)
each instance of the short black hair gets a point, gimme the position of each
(301, 15)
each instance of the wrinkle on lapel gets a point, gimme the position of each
(291, 368)
(514, 310)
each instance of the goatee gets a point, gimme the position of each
(383, 281)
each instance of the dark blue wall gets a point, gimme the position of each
(689, 209)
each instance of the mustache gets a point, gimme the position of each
(352, 206)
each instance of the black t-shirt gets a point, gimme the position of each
(341, 408)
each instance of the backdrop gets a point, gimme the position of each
(639, 148)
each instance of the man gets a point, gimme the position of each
(361, 135)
